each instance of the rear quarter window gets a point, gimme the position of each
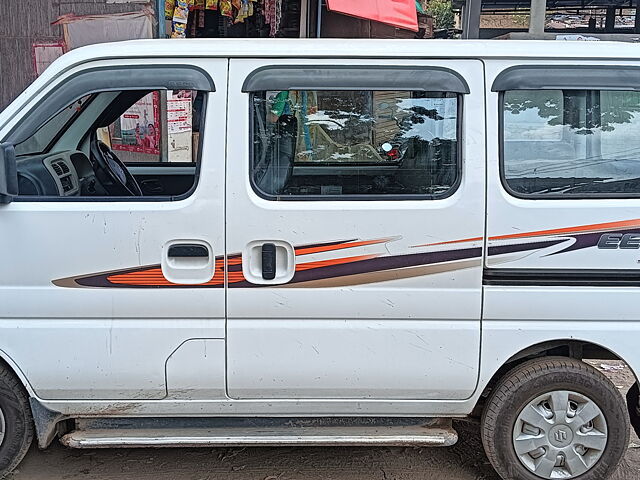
(571, 143)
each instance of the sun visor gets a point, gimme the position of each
(562, 77)
(309, 77)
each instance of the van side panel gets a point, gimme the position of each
(548, 275)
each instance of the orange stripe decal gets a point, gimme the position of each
(569, 230)
(336, 261)
(541, 233)
(450, 242)
(339, 246)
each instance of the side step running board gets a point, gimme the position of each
(272, 431)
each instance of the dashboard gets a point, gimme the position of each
(62, 174)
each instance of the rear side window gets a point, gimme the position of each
(571, 143)
(350, 144)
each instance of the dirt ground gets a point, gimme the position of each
(464, 461)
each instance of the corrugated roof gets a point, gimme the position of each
(551, 4)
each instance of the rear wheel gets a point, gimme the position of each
(553, 418)
(16, 423)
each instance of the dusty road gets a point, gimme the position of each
(464, 461)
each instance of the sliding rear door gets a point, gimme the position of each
(355, 217)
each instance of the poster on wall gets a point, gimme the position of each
(44, 54)
(180, 125)
(138, 129)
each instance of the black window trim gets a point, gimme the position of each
(355, 77)
(568, 77)
(108, 78)
(351, 198)
(551, 196)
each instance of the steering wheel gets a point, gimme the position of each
(119, 179)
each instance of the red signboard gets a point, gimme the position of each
(400, 13)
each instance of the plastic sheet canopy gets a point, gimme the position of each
(399, 13)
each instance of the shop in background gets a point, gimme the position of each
(232, 18)
(297, 18)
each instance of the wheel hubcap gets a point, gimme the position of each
(561, 434)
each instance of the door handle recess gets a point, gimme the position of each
(268, 261)
(188, 250)
(188, 262)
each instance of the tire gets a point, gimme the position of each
(536, 391)
(16, 422)
(633, 395)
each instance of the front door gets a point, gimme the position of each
(106, 278)
(355, 218)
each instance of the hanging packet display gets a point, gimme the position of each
(180, 18)
(239, 13)
(226, 8)
(179, 30)
(211, 4)
(181, 12)
(169, 7)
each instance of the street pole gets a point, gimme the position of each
(319, 22)
(471, 19)
(537, 17)
(304, 21)
(162, 26)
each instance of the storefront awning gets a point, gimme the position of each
(399, 13)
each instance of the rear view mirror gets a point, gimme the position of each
(8, 173)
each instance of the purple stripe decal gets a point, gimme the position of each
(386, 263)
(586, 240)
(523, 247)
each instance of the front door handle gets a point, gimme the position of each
(152, 186)
(188, 250)
(188, 262)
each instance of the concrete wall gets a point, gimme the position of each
(24, 22)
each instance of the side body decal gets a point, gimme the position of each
(347, 266)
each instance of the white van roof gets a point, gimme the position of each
(328, 48)
(287, 48)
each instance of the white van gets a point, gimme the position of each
(294, 242)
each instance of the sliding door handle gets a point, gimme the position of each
(268, 261)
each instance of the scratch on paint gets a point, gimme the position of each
(137, 246)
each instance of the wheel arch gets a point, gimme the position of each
(563, 347)
(7, 362)
(45, 421)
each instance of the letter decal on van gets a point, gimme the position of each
(613, 241)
